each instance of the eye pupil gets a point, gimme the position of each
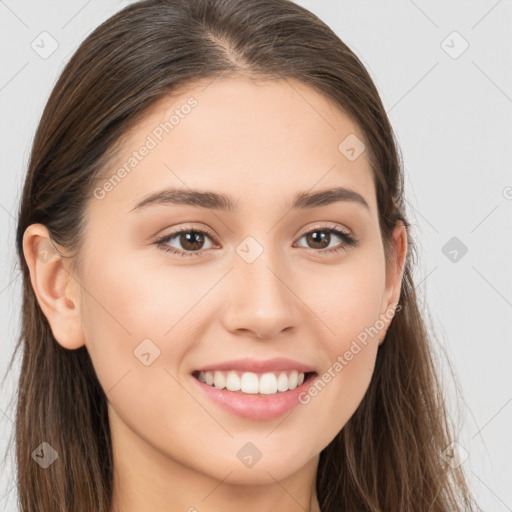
(321, 238)
(191, 240)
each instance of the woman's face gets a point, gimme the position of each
(268, 280)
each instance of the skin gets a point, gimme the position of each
(259, 143)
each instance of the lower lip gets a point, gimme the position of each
(256, 406)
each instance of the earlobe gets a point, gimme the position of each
(56, 290)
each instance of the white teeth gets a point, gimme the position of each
(282, 382)
(249, 383)
(268, 384)
(252, 383)
(233, 382)
(292, 379)
(219, 381)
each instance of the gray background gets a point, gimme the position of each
(451, 113)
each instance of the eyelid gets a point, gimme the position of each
(325, 225)
(188, 227)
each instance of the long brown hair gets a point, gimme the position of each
(388, 457)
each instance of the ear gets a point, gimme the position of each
(56, 290)
(394, 277)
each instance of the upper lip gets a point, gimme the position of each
(258, 365)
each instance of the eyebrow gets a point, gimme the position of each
(216, 201)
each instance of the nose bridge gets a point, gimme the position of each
(260, 299)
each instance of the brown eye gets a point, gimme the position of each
(190, 241)
(319, 239)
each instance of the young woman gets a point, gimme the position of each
(218, 305)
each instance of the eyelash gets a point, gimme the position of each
(348, 240)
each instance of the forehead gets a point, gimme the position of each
(249, 139)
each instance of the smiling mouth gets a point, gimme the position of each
(264, 383)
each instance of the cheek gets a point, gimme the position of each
(125, 315)
(347, 299)
(136, 333)
(347, 303)
(136, 312)
(134, 299)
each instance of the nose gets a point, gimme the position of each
(261, 301)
